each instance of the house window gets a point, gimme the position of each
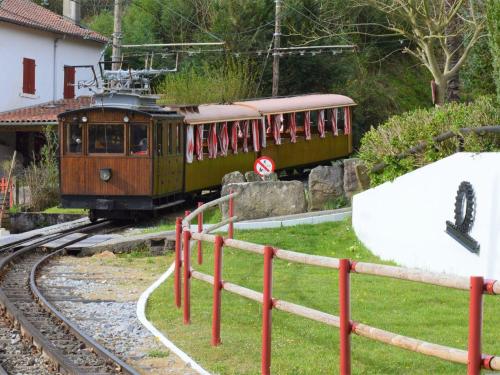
(69, 82)
(29, 76)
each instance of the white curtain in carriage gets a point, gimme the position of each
(307, 125)
(198, 141)
(293, 127)
(223, 139)
(321, 123)
(235, 133)
(245, 133)
(256, 133)
(347, 120)
(276, 128)
(263, 138)
(335, 116)
(212, 141)
(189, 144)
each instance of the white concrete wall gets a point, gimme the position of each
(405, 220)
(17, 42)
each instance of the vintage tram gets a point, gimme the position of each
(125, 154)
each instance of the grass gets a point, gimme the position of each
(301, 346)
(60, 210)
(211, 216)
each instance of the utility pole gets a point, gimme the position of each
(117, 36)
(276, 56)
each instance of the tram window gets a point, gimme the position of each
(106, 139)
(159, 139)
(179, 139)
(340, 119)
(138, 139)
(170, 139)
(74, 138)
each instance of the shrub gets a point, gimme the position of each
(42, 177)
(209, 84)
(401, 132)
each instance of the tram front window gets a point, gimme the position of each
(74, 138)
(138, 139)
(106, 139)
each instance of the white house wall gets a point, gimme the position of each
(17, 42)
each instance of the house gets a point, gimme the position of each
(45, 58)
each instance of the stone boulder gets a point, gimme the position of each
(233, 177)
(325, 183)
(254, 177)
(356, 177)
(263, 199)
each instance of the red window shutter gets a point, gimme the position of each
(29, 76)
(69, 81)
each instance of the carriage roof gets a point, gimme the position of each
(254, 109)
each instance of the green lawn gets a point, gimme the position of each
(60, 210)
(301, 346)
(211, 216)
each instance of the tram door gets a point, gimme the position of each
(160, 161)
(175, 141)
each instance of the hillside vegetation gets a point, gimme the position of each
(399, 133)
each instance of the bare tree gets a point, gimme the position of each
(433, 27)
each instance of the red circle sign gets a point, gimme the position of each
(264, 166)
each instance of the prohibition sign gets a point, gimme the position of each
(264, 166)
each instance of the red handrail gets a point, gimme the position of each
(477, 286)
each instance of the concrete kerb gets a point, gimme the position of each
(287, 221)
(308, 218)
(141, 314)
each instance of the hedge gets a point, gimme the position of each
(401, 132)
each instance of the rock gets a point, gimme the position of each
(325, 183)
(266, 199)
(104, 255)
(233, 177)
(254, 177)
(355, 177)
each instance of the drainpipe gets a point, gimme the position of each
(54, 70)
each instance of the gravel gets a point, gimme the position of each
(103, 307)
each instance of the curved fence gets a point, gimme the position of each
(476, 286)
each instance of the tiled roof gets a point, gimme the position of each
(45, 113)
(29, 14)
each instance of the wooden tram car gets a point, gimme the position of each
(125, 154)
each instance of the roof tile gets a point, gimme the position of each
(43, 113)
(29, 14)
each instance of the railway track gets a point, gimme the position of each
(34, 337)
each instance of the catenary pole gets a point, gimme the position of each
(117, 35)
(277, 45)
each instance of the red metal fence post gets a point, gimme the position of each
(267, 305)
(345, 316)
(187, 277)
(216, 308)
(230, 232)
(200, 229)
(475, 325)
(178, 262)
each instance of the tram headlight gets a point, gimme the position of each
(105, 174)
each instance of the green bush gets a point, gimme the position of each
(225, 83)
(402, 132)
(42, 177)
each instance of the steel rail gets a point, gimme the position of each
(49, 307)
(28, 329)
(45, 238)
